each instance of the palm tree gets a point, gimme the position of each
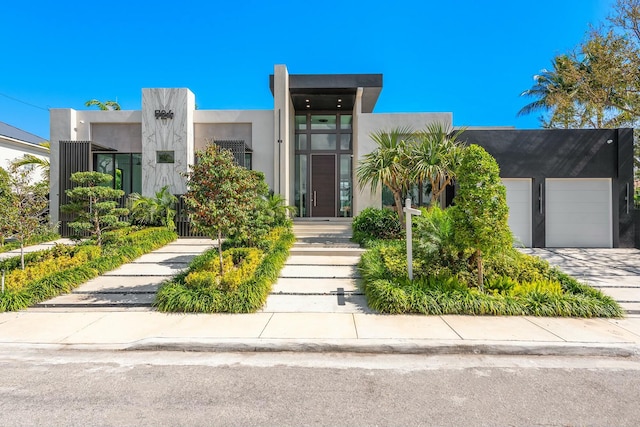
(30, 159)
(389, 164)
(553, 91)
(279, 209)
(104, 106)
(436, 157)
(158, 210)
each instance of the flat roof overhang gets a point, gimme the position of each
(326, 91)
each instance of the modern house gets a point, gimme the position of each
(15, 143)
(564, 188)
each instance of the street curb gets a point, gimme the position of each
(361, 346)
(521, 348)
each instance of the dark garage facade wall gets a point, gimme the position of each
(563, 153)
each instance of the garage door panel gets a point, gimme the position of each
(575, 197)
(519, 202)
(578, 213)
(572, 185)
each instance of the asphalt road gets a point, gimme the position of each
(283, 389)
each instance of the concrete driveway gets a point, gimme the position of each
(616, 272)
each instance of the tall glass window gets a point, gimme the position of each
(125, 169)
(323, 121)
(301, 184)
(323, 132)
(345, 185)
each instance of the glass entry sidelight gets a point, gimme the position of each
(323, 185)
(323, 164)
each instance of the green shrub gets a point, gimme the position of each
(250, 294)
(373, 223)
(553, 293)
(433, 235)
(59, 258)
(202, 279)
(239, 264)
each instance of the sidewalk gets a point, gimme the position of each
(320, 331)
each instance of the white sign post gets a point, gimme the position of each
(409, 211)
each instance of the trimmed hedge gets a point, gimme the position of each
(120, 250)
(545, 291)
(250, 295)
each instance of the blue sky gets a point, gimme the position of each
(469, 57)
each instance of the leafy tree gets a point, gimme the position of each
(221, 195)
(389, 164)
(158, 210)
(480, 211)
(23, 210)
(104, 106)
(435, 157)
(94, 204)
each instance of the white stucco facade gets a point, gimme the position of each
(169, 129)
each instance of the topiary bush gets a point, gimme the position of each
(374, 223)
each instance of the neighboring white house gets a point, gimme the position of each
(15, 143)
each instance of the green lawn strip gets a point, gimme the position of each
(42, 238)
(197, 296)
(120, 250)
(543, 291)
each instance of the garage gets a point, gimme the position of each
(578, 213)
(519, 202)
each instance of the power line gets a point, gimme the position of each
(23, 102)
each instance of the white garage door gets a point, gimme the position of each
(519, 202)
(578, 213)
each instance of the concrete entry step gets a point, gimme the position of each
(323, 260)
(324, 251)
(320, 271)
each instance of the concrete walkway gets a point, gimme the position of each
(133, 285)
(320, 275)
(35, 248)
(324, 322)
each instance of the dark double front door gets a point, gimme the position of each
(323, 185)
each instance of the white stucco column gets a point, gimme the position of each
(167, 127)
(282, 110)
